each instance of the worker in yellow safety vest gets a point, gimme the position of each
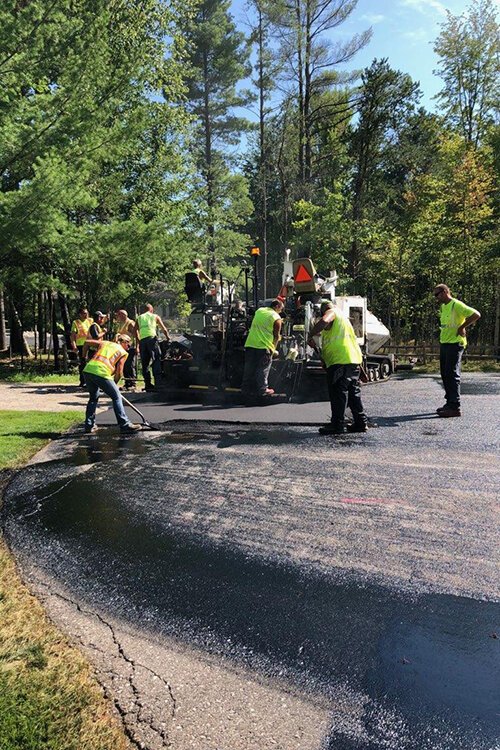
(260, 346)
(342, 360)
(145, 332)
(102, 373)
(198, 270)
(455, 317)
(79, 332)
(125, 325)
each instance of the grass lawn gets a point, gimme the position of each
(10, 371)
(49, 698)
(472, 365)
(23, 433)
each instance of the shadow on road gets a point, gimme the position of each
(426, 664)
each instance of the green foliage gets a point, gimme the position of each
(469, 51)
(90, 135)
(219, 58)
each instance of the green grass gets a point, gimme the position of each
(35, 372)
(477, 365)
(23, 433)
(49, 699)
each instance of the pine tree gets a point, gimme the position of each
(219, 57)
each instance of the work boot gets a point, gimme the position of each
(267, 392)
(357, 427)
(89, 429)
(450, 411)
(131, 428)
(442, 408)
(331, 429)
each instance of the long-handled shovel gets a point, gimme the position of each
(145, 423)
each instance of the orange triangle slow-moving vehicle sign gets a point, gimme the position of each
(302, 274)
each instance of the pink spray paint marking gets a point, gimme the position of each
(368, 500)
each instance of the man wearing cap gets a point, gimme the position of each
(79, 332)
(96, 330)
(145, 332)
(102, 373)
(455, 317)
(261, 343)
(342, 358)
(126, 325)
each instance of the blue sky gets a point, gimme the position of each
(403, 31)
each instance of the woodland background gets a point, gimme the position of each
(118, 126)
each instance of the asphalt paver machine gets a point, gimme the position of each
(208, 358)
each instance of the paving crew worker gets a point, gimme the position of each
(79, 332)
(455, 318)
(126, 325)
(342, 358)
(198, 270)
(102, 373)
(260, 346)
(97, 330)
(149, 348)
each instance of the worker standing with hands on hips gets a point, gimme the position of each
(342, 359)
(455, 317)
(149, 348)
(102, 373)
(79, 332)
(260, 346)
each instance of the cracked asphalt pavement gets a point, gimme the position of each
(245, 585)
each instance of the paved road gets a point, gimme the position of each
(253, 586)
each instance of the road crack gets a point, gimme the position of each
(141, 714)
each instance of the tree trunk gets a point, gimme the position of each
(63, 306)
(55, 336)
(262, 148)
(496, 335)
(209, 177)
(41, 323)
(3, 332)
(18, 343)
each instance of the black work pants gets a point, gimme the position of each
(450, 362)
(81, 364)
(130, 368)
(257, 365)
(344, 391)
(150, 355)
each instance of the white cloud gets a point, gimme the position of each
(373, 17)
(425, 6)
(418, 36)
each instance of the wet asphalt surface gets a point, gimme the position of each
(361, 571)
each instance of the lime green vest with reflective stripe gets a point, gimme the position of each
(147, 325)
(81, 328)
(105, 359)
(339, 345)
(261, 334)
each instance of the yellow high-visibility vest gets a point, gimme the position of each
(261, 333)
(105, 359)
(81, 328)
(147, 325)
(339, 345)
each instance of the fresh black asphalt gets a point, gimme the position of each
(361, 568)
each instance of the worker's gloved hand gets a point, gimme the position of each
(276, 354)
